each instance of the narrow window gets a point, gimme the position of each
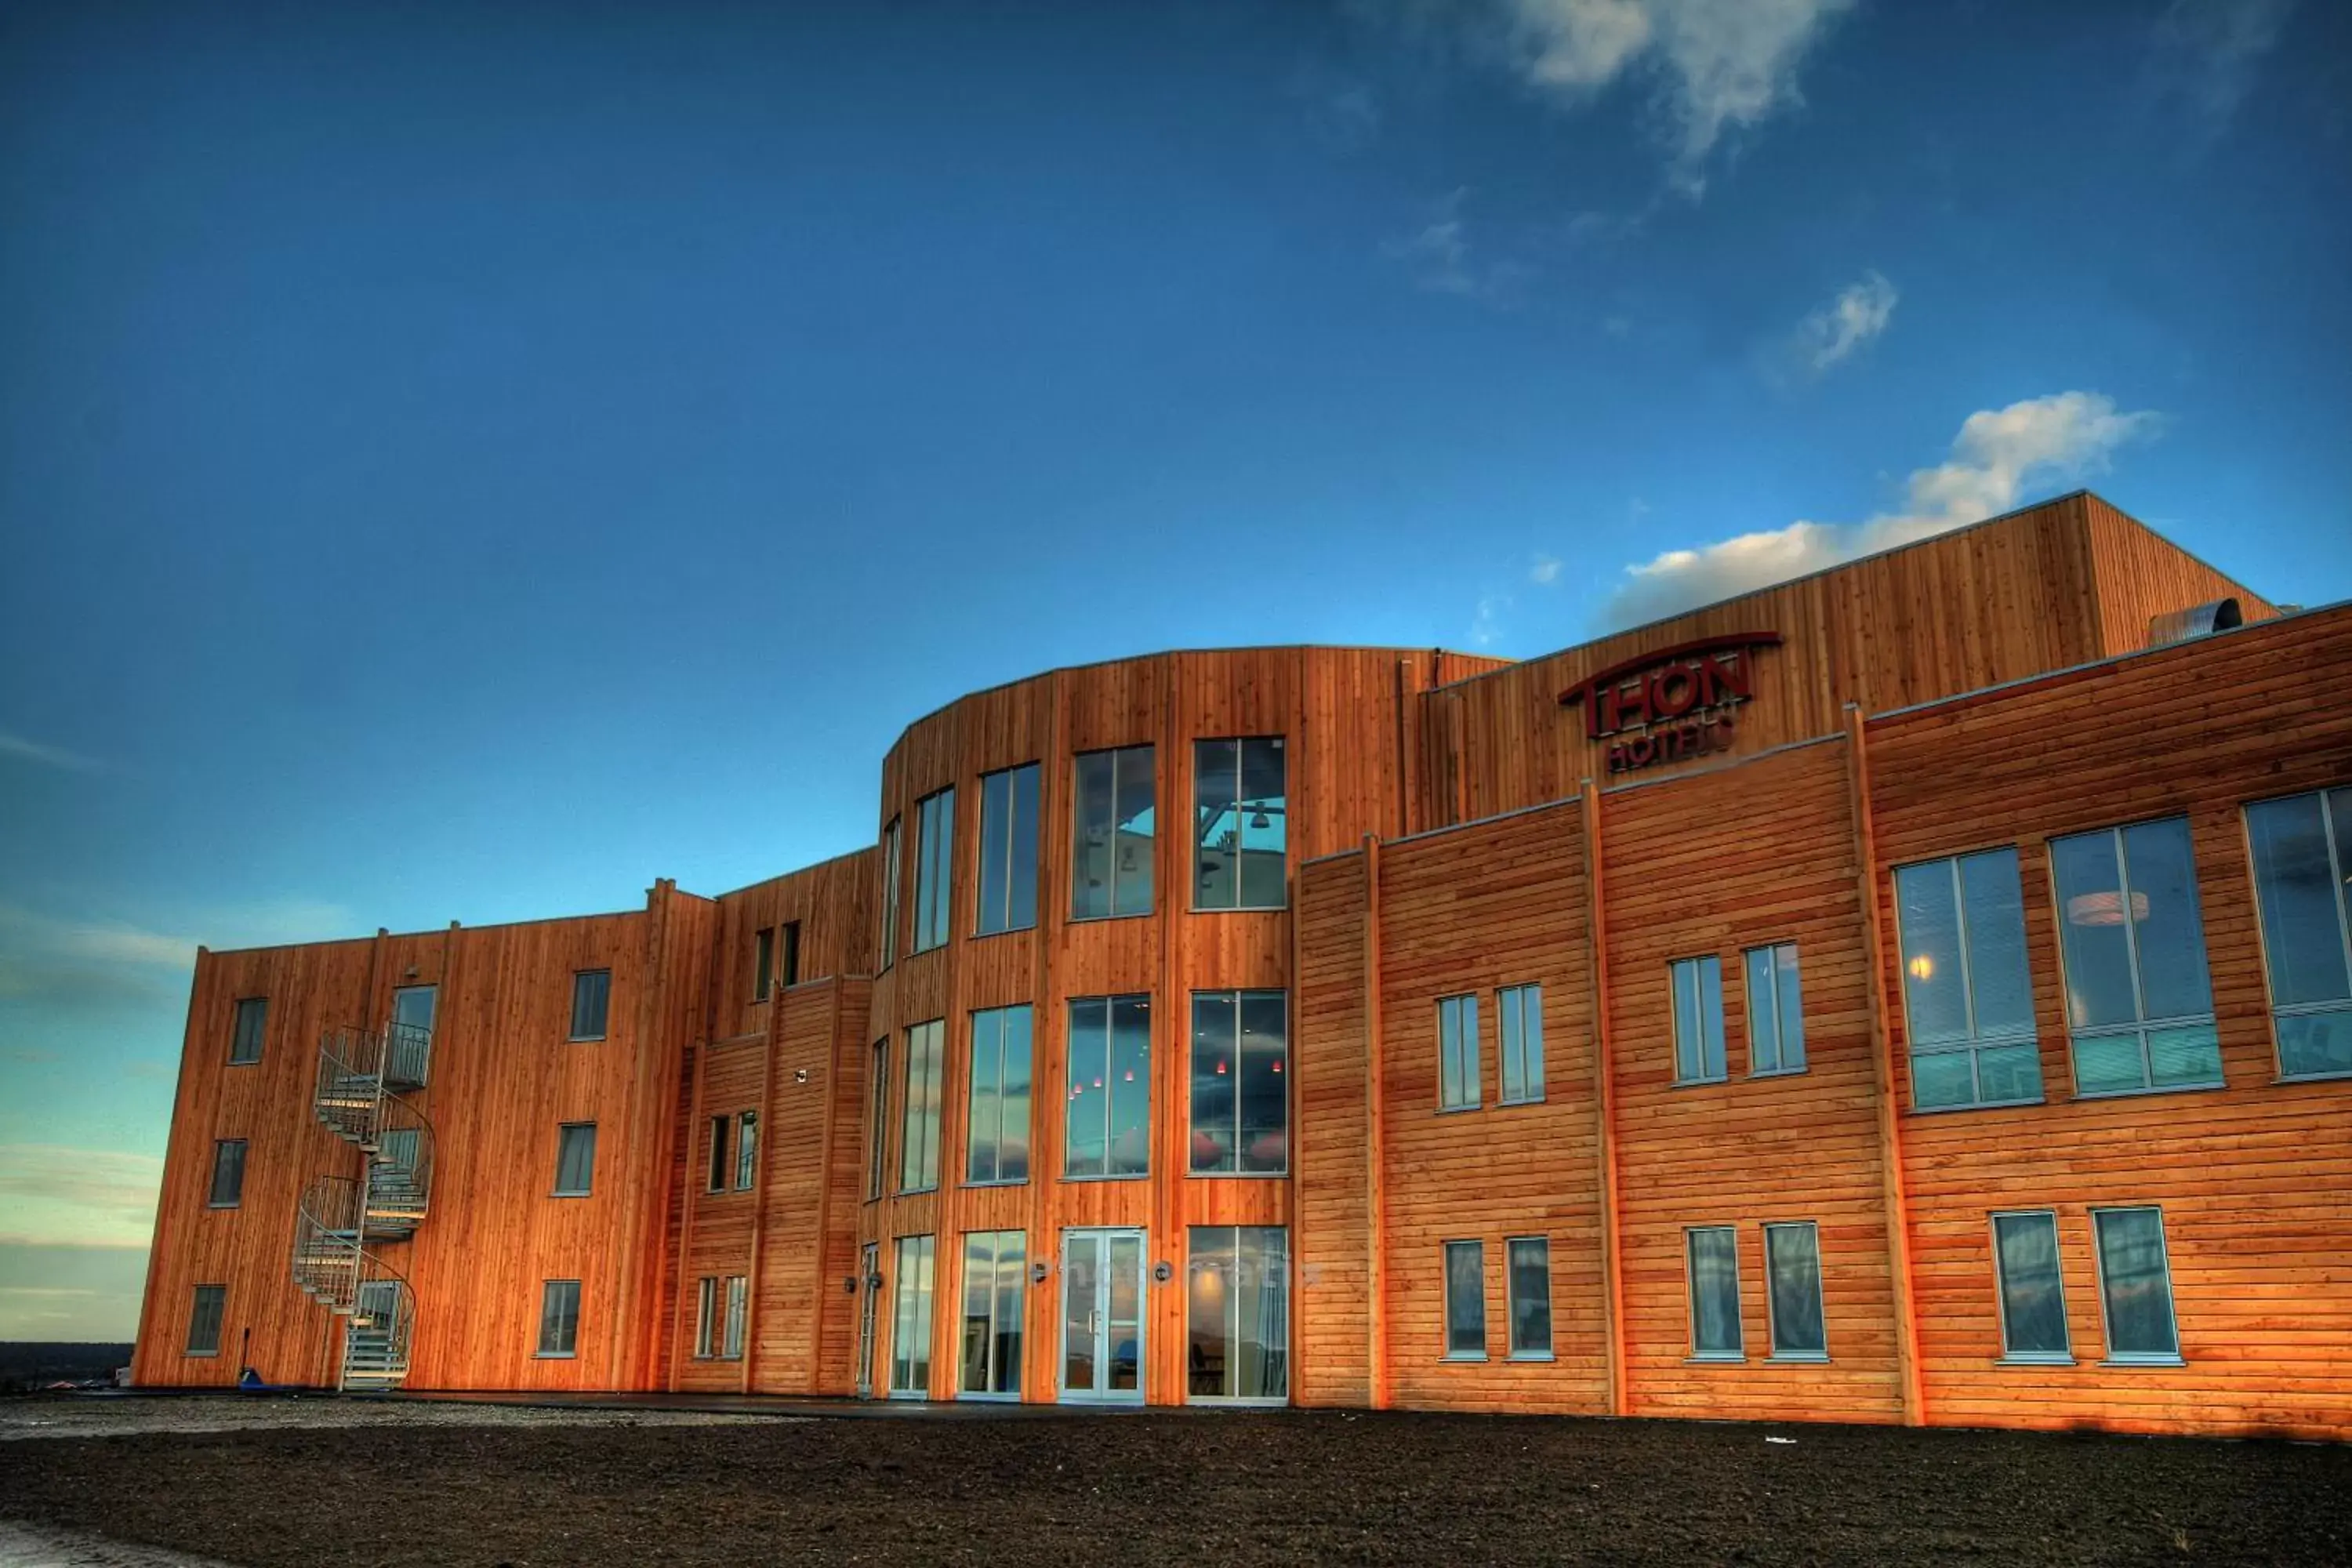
(2139, 1003)
(747, 1150)
(1713, 1256)
(1457, 1053)
(763, 962)
(738, 1295)
(575, 1159)
(1466, 1301)
(1521, 1008)
(1698, 1019)
(919, 1111)
(558, 1318)
(705, 1316)
(934, 867)
(1792, 1291)
(2033, 1293)
(591, 994)
(205, 1319)
(410, 1048)
(911, 1330)
(996, 1118)
(720, 1165)
(1528, 1260)
(1776, 1015)
(245, 1041)
(229, 1173)
(1113, 831)
(994, 1262)
(1008, 850)
(1109, 1122)
(1239, 832)
(878, 1119)
(1966, 991)
(1237, 1314)
(2136, 1285)
(890, 881)
(2303, 854)
(788, 969)
(1240, 1109)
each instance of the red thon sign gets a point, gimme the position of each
(1670, 704)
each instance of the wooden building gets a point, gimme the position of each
(1917, 992)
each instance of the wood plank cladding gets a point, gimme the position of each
(1332, 1235)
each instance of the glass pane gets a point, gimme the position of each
(995, 863)
(2105, 1064)
(1090, 855)
(763, 958)
(2166, 927)
(2091, 924)
(979, 1311)
(1506, 1010)
(2315, 1043)
(1131, 863)
(1793, 1270)
(2133, 1279)
(1264, 1100)
(1131, 1086)
(1763, 1012)
(1081, 1256)
(2303, 936)
(1453, 1075)
(1530, 1266)
(1531, 1032)
(1262, 1314)
(1021, 872)
(1689, 1050)
(1792, 1007)
(1216, 1075)
(911, 1339)
(890, 879)
(1715, 1291)
(1084, 1145)
(1465, 1299)
(984, 1114)
(1216, 832)
(1013, 1147)
(2008, 1073)
(1999, 983)
(1208, 1349)
(2033, 1300)
(1123, 1324)
(2184, 1054)
(1011, 1270)
(1260, 820)
(1935, 1001)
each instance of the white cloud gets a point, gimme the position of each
(1486, 622)
(1996, 454)
(1861, 311)
(1439, 258)
(1545, 570)
(2206, 53)
(47, 756)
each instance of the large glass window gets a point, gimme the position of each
(996, 1123)
(934, 868)
(1238, 1313)
(1112, 826)
(2139, 1005)
(410, 1047)
(1965, 990)
(877, 1117)
(747, 1150)
(890, 881)
(592, 995)
(1108, 1128)
(204, 1316)
(1776, 1014)
(575, 1159)
(2303, 861)
(1521, 1008)
(1238, 824)
(1697, 985)
(731, 1347)
(2136, 1285)
(245, 1042)
(910, 1320)
(1457, 1053)
(2032, 1291)
(1008, 850)
(1241, 1107)
(1527, 1264)
(229, 1173)
(558, 1318)
(1792, 1291)
(1714, 1255)
(994, 1264)
(919, 1112)
(1466, 1301)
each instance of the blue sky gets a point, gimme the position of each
(465, 462)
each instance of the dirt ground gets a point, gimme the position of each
(1227, 1488)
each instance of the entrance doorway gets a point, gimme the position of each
(1102, 1316)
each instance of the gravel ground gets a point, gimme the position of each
(105, 1416)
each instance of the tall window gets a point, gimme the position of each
(934, 866)
(411, 1046)
(1527, 1263)
(592, 994)
(245, 1041)
(918, 1112)
(891, 879)
(911, 1319)
(1008, 850)
(731, 1347)
(878, 1118)
(1466, 1301)
(1776, 1013)
(1521, 1008)
(1241, 1107)
(1713, 1260)
(1109, 1129)
(2139, 1005)
(747, 1150)
(994, 1264)
(1698, 1018)
(229, 1173)
(1237, 1313)
(575, 1159)
(558, 1318)
(705, 1316)
(1113, 831)
(1792, 1291)
(1966, 991)
(1238, 824)
(2032, 1292)
(720, 1165)
(788, 960)
(763, 962)
(1457, 1053)
(2136, 1285)
(205, 1319)
(2303, 856)
(996, 1126)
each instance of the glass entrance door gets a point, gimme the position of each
(1102, 1316)
(869, 1293)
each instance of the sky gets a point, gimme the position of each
(464, 462)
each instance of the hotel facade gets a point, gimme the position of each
(1919, 993)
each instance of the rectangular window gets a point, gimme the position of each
(1237, 1314)
(1521, 1008)
(720, 1163)
(229, 1173)
(730, 1345)
(2136, 1285)
(1966, 993)
(245, 1041)
(878, 1119)
(1108, 1129)
(2139, 1004)
(890, 881)
(1458, 1069)
(1527, 1260)
(994, 1265)
(1698, 1019)
(592, 994)
(1792, 1291)
(1714, 1259)
(575, 1159)
(2033, 1293)
(746, 1151)
(1008, 850)
(1238, 839)
(934, 868)
(996, 1120)
(1241, 1107)
(1466, 1301)
(558, 1318)
(910, 1320)
(788, 963)
(919, 1111)
(205, 1319)
(1112, 828)
(705, 1316)
(763, 962)
(2303, 856)
(1776, 1015)
(410, 1047)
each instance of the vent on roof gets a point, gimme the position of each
(2197, 621)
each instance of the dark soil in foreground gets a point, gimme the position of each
(1225, 1489)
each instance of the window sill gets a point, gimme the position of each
(983, 936)
(1977, 1105)
(1098, 920)
(582, 1194)
(1717, 1358)
(1531, 1355)
(916, 1191)
(1459, 1109)
(556, 1356)
(1523, 1099)
(255, 1062)
(1798, 1358)
(2336, 1077)
(200, 1355)
(1237, 1175)
(235, 1206)
(1779, 1072)
(1122, 1176)
(2083, 1094)
(1000, 1182)
(1699, 1082)
(2047, 1358)
(1238, 910)
(2143, 1361)
(1464, 1355)
(585, 1039)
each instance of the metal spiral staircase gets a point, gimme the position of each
(359, 1098)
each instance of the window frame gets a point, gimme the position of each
(1703, 964)
(734, 1325)
(705, 1316)
(2144, 1026)
(934, 857)
(720, 1165)
(878, 1118)
(2337, 872)
(2009, 1357)
(562, 1131)
(237, 1034)
(763, 964)
(924, 1305)
(746, 1151)
(914, 1155)
(973, 1081)
(1737, 1354)
(1772, 951)
(1821, 1295)
(1511, 1009)
(1281, 1069)
(212, 1191)
(996, 1257)
(603, 1008)
(2171, 1297)
(1467, 1046)
(571, 1352)
(1150, 872)
(788, 954)
(892, 875)
(1011, 869)
(1445, 1315)
(1511, 1244)
(1231, 1316)
(1976, 1042)
(219, 1296)
(1109, 1049)
(1241, 772)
